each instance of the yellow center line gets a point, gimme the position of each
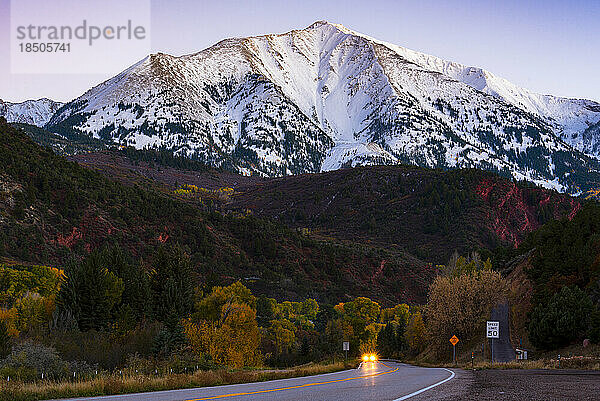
(299, 386)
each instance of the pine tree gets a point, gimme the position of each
(563, 319)
(171, 338)
(135, 280)
(5, 341)
(386, 340)
(90, 292)
(172, 284)
(305, 347)
(265, 308)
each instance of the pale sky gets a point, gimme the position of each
(547, 46)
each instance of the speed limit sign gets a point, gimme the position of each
(493, 329)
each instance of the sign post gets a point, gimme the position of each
(493, 331)
(346, 347)
(454, 340)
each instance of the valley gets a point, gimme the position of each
(312, 202)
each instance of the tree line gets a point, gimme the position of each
(107, 308)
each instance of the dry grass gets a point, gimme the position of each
(591, 361)
(574, 356)
(581, 363)
(114, 384)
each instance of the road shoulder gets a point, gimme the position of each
(517, 385)
(455, 389)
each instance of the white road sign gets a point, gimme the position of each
(346, 346)
(493, 329)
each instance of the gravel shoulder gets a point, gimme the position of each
(519, 385)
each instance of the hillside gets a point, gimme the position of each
(555, 275)
(428, 213)
(359, 212)
(52, 209)
(58, 143)
(131, 166)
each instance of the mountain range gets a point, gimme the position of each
(326, 97)
(35, 112)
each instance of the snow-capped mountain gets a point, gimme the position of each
(569, 117)
(35, 112)
(325, 97)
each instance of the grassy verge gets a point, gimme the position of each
(574, 356)
(114, 384)
(579, 363)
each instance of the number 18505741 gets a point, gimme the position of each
(45, 47)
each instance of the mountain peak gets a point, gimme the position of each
(320, 23)
(325, 23)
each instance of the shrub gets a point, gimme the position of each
(104, 348)
(28, 360)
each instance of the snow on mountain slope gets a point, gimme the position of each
(325, 97)
(571, 116)
(35, 112)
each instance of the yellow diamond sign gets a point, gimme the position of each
(454, 340)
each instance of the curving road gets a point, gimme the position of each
(381, 380)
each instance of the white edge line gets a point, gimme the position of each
(429, 387)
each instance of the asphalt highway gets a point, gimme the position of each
(382, 380)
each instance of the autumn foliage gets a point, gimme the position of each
(459, 305)
(232, 340)
(224, 327)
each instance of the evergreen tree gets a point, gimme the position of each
(326, 314)
(90, 292)
(594, 331)
(562, 320)
(265, 310)
(391, 341)
(171, 338)
(305, 347)
(5, 341)
(172, 284)
(386, 340)
(136, 291)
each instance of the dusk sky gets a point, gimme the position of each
(547, 46)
